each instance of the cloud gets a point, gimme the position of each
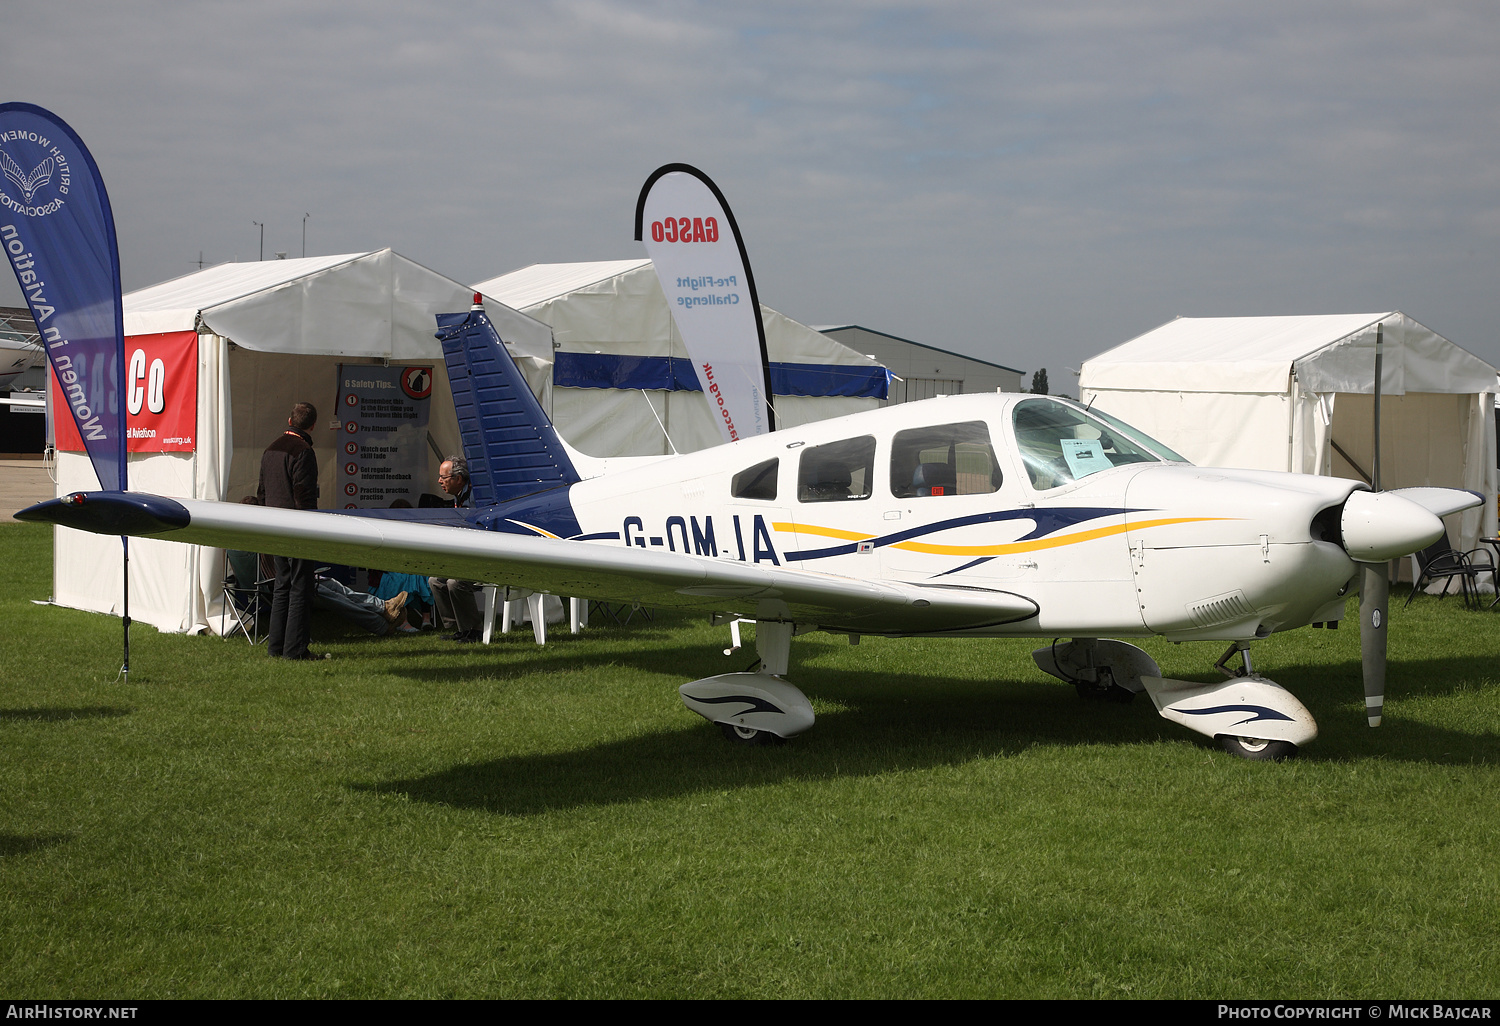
(1031, 183)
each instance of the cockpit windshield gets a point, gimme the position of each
(1133, 432)
(1060, 444)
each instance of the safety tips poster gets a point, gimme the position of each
(382, 430)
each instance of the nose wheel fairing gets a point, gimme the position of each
(1250, 715)
(1243, 707)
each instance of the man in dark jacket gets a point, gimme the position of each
(289, 480)
(453, 599)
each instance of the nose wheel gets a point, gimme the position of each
(747, 735)
(1257, 749)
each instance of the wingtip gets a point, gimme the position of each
(132, 513)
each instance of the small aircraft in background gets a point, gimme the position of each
(1005, 515)
(17, 356)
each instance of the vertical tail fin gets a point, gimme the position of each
(511, 446)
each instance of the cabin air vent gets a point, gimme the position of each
(1220, 609)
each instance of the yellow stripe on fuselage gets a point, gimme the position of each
(1033, 545)
(533, 527)
(825, 532)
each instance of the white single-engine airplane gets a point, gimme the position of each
(1005, 515)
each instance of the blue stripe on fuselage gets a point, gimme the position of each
(551, 511)
(1047, 521)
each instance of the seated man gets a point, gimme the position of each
(453, 600)
(378, 616)
(418, 595)
(386, 584)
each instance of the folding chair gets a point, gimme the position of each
(248, 587)
(1441, 561)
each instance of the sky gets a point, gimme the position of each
(1026, 183)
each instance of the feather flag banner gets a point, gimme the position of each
(59, 234)
(700, 260)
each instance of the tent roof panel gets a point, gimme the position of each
(538, 283)
(1329, 353)
(225, 283)
(376, 304)
(618, 306)
(1220, 354)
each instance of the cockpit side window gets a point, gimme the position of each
(1059, 444)
(757, 482)
(838, 471)
(945, 459)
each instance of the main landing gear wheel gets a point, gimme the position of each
(747, 735)
(1099, 669)
(1257, 749)
(1104, 691)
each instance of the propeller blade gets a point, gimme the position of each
(1374, 600)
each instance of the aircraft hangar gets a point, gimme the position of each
(922, 371)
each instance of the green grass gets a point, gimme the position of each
(418, 819)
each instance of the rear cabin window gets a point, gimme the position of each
(757, 482)
(1059, 444)
(838, 471)
(946, 459)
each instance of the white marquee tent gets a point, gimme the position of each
(1297, 394)
(270, 334)
(617, 345)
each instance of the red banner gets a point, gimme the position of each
(161, 395)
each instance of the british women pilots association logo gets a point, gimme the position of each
(38, 191)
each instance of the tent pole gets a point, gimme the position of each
(1375, 460)
(1379, 354)
(125, 666)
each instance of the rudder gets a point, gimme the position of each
(509, 442)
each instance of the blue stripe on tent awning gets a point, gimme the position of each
(675, 374)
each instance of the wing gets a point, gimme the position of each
(582, 569)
